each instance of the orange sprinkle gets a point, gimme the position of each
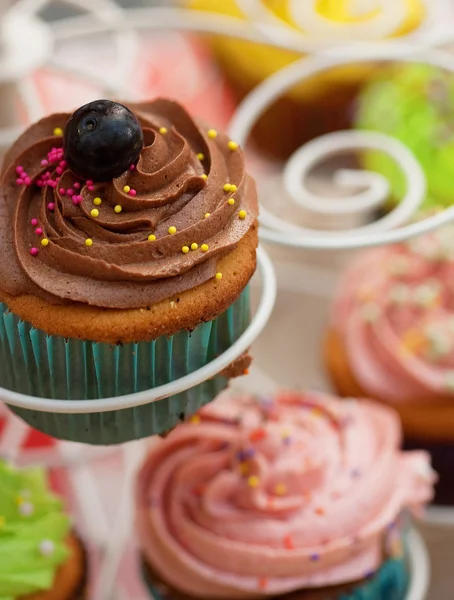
(257, 434)
(413, 340)
(243, 468)
(246, 372)
(195, 420)
(263, 583)
(307, 495)
(320, 511)
(288, 542)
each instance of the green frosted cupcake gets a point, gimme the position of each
(39, 556)
(415, 104)
(127, 246)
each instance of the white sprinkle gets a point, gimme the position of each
(370, 312)
(26, 509)
(399, 266)
(427, 293)
(46, 548)
(449, 381)
(399, 294)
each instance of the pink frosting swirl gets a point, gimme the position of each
(257, 499)
(394, 312)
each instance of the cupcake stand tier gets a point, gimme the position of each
(306, 257)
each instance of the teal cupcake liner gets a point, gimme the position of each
(37, 364)
(390, 582)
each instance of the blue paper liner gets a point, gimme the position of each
(37, 364)
(390, 582)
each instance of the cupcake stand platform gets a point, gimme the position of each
(306, 255)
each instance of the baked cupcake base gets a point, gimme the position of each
(390, 582)
(427, 426)
(71, 578)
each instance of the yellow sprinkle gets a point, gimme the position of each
(127, 189)
(58, 131)
(152, 237)
(253, 481)
(231, 201)
(19, 500)
(118, 209)
(172, 230)
(233, 187)
(163, 130)
(89, 242)
(219, 276)
(185, 249)
(44, 242)
(201, 156)
(94, 212)
(280, 489)
(97, 201)
(204, 176)
(195, 420)
(242, 214)
(194, 246)
(227, 187)
(243, 468)
(204, 247)
(232, 145)
(207, 215)
(212, 133)
(2, 522)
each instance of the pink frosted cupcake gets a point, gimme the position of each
(298, 497)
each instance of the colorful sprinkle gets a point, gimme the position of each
(194, 246)
(231, 201)
(94, 212)
(132, 193)
(242, 215)
(204, 176)
(207, 215)
(34, 222)
(58, 131)
(44, 242)
(126, 189)
(204, 247)
(243, 469)
(97, 201)
(46, 548)
(212, 134)
(2, 522)
(163, 130)
(76, 185)
(280, 489)
(263, 583)
(320, 511)
(118, 209)
(288, 542)
(132, 167)
(232, 146)
(34, 251)
(201, 156)
(51, 206)
(62, 191)
(315, 557)
(449, 381)
(218, 276)
(20, 169)
(152, 237)
(185, 249)
(233, 187)
(253, 481)
(258, 434)
(370, 312)
(89, 242)
(195, 420)
(70, 192)
(26, 509)
(227, 187)
(39, 231)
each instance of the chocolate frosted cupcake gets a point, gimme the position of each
(299, 497)
(39, 557)
(127, 248)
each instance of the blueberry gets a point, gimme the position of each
(102, 140)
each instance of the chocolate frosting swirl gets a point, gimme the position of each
(122, 268)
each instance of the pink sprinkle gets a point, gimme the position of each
(20, 181)
(79, 198)
(34, 222)
(70, 192)
(27, 180)
(39, 231)
(77, 186)
(62, 191)
(59, 171)
(53, 184)
(91, 188)
(44, 163)
(51, 206)
(75, 201)
(34, 251)
(132, 167)
(132, 193)
(19, 170)
(63, 164)
(89, 182)
(39, 183)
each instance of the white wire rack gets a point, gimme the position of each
(27, 43)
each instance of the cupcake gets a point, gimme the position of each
(129, 237)
(392, 339)
(40, 558)
(297, 497)
(324, 102)
(412, 103)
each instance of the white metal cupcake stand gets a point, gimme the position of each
(299, 226)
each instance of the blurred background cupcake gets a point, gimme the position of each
(413, 103)
(128, 261)
(40, 558)
(299, 496)
(324, 102)
(392, 339)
